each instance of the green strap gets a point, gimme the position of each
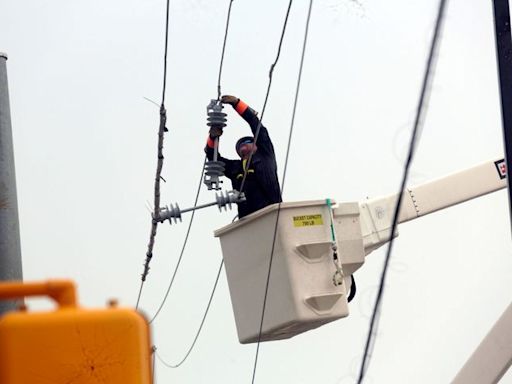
(329, 204)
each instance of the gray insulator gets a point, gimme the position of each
(171, 213)
(213, 170)
(216, 119)
(225, 199)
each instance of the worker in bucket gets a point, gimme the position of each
(261, 186)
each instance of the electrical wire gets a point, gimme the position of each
(160, 161)
(297, 89)
(192, 219)
(149, 253)
(223, 49)
(169, 365)
(183, 246)
(421, 108)
(200, 179)
(270, 74)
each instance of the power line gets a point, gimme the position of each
(270, 74)
(200, 179)
(169, 365)
(160, 162)
(156, 213)
(182, 248)
(297, 89)
(192, 220)
(222, 262)
(223, 49)
(421, 109)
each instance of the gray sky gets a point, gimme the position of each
(85, 148)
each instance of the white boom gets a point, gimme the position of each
(377, 214)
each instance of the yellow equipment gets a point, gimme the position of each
(71, 344)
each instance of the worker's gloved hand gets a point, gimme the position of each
(215, 132)
(228, 99)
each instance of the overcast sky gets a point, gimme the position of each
(85, 150)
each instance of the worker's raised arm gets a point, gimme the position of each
(248, 114)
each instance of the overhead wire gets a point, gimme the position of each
(191, 221)
(160, 161)
(160, 157)
(223, 49)
(185, 241)
(169, 365)
(418, 122)
(270, 74)
(290, 135)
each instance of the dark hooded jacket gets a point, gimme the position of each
(261, 186)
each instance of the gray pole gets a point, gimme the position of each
(10, 247)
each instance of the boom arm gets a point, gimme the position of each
(377, 214)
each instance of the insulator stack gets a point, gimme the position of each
(214, 169)
(171, 213)
(216, 118)
(224, 200)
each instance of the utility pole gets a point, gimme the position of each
(504, 61)
(10, 246)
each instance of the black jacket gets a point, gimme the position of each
(261, 186)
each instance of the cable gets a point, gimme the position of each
(160, 162)
(149, 253)
(418, 121)
(353, 289)
(192, 219)
(223, 49)
(271, 72)
(282, 187)
(183, 246)
(200, 326)
(200, 179)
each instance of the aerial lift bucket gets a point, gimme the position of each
(301, 294)
(71, 344)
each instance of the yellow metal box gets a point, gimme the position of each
(72, 345)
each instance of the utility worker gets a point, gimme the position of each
(261, 187)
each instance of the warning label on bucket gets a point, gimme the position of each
(307, 220)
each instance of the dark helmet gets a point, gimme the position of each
(243, 140)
